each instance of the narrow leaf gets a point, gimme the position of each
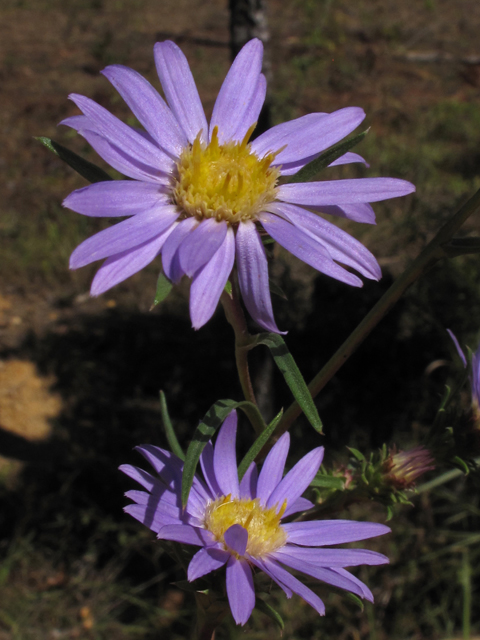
(269, 611)
(461, 246)
(357, 454)
(86, 169)
(169, 430)
(291, 373)
(205, 431)
(164, 286)
(275, 289)
(328, 482)
(355, 599)
(461, 464)
(310, 170)
(257, 446)
(228, 288)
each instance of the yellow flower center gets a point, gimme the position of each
(224, 181)
(265, 534)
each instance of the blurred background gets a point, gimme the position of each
(79, 377)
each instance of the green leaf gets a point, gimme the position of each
(269, 611)
(169, 430)
(389, 513)
(86, 169)
(278, 291)
(164, 286)
(310, 170)
(205, 431)
(258, 445)
(328, 482)
(291, 373)
(461, 464)
(355, 599)
(357, 454)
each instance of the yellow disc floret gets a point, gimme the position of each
(265, 534)
(224, 181)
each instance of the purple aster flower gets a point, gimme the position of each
(475, 375)
(239, 524)
(202, 195)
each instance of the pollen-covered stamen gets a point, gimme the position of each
(265, 534)
(224, 181)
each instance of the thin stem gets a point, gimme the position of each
(432, 253)
(243, 339)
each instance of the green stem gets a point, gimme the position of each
(243, 339)
(432, 253)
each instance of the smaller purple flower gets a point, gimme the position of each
(240, 525)
(475, 374)
(403, 468)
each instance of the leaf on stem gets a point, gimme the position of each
(258, 445)
(164, 286)
(291, 373)
(205, 431)
(310, 170)
(86, 169)
(169, 430)
(269, 611)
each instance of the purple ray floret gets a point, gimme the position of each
(240, 525)
(204, 221)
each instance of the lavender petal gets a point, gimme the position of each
(237, 93)
(122, 136)
(306, 248)
(225, 458)
(333, 557)
(344, 191)
(116, 198)
(297, 479)
(206, 463)
(309, 135)
(170, 259)
(205, 561)
(240, 589)
(300, 504)
(201, 244)
(253, 276)
(327, 532)
(273, 467)
(123, 236)
(121, 266)
(187, 535)
(360, 212)
(236, 537)
(340, 245)
(209, 282)
(180, 90)
(248, 484)
(148, 107)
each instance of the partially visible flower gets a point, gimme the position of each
(402, 468)
(475, 372)
(239, 524)
(202, 195)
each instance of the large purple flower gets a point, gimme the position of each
(201, 194)
(239, 524)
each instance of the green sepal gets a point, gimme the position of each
(328, 482)
(267, 240)
(291, 373)
(389, 513)
(357, 454)
(310, 170)
(269, 611)
(355, 599)
(258, 445)
(205, 431)
(169, 430)
(461, 247)
(86, 169)
(164, 286)
(228, 288)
